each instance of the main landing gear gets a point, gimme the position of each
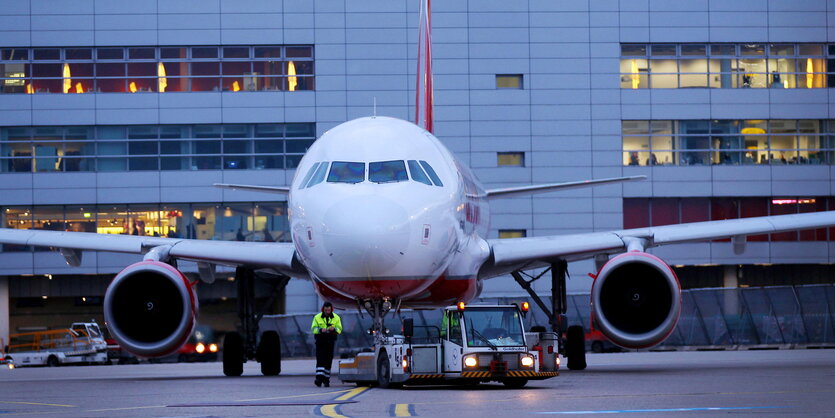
(240, 347)
(573, 345)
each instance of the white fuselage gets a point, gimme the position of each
(369, 236)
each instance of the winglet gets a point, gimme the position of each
(552, 187)
(249, 188)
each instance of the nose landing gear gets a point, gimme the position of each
(378, 309)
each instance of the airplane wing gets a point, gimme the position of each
(553, 187)
(518, 253)
(251, 188)
(275, 255)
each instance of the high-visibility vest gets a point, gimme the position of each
(320, 323)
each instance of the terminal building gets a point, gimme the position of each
(117, 117)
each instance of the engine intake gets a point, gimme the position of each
(636, 300)
(150, 308)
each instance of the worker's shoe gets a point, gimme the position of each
(327, 383)
(318, 381)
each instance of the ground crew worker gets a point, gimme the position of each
(326, 327)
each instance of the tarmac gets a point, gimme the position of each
(776, 382)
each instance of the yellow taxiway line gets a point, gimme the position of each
(329, 410)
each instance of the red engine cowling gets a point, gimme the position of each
(150, 308)
(636, 300)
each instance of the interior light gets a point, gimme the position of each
(292, 80)
(132, 87)
(636, 79)
(79, 88)
(752, 131)
(783, 201)
(162, 84)
(236, 86)
(67, 78)
(810, 68)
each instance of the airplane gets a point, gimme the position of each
(383, 216)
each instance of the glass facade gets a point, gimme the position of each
(643, 212)
(154, 147)
(670, 66)
(734, 142)
(156, 69)
(263, 221)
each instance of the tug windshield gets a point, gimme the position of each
(497, 327)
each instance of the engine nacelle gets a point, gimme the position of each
(636, 300)
(150, 308)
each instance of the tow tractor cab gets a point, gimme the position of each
(471, 344)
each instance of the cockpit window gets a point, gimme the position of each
(417, 173)
(431, 173)
(319, 176)
(309, 174)
(346, 172)
(387, 171)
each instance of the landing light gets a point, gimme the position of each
(461, 306)
(200, 348)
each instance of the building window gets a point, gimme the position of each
(644, 212)
(513, 233)
(511, 159)
(262, 221)
(671, 66)
(154, 147)
(156, 69)
(728, 142)
(509, 81)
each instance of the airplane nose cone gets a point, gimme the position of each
(366, 236)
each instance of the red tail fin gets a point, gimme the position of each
(424, 99)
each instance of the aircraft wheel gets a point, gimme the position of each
(233, 354)
(515, 383)
(575, 348)
(269, 353)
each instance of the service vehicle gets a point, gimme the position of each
(472, 344)
(82, 343)
(4, 360)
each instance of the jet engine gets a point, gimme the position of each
(636, 300)
(150, 308)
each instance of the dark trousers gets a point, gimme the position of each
(324, 355)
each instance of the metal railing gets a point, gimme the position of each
(756, 316)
